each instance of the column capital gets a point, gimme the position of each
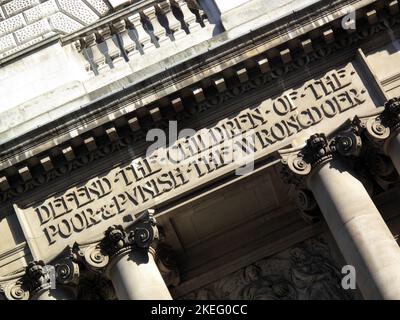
(319, 150)
(39, 277)
(382, 125)
(117, 241)
(142, 235)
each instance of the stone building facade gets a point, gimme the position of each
(208, 149)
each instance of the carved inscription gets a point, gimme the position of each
(79, 209)
(148, 181)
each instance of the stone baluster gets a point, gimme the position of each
(202, 15)
(188, 16)
(113, 50)
(80, 47)
(99, 60)
(159, 30)
(143, 37)
(127, 43)
(356, 224)
(173, 23)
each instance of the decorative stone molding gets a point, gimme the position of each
(14, 290)
(319, 150)
(67, 270)
(13, 188)
(381, 126)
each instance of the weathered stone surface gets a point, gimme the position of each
(28, 19)
(319, 103)
(307, 271)
(74, 158)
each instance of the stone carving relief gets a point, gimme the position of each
(306, 271)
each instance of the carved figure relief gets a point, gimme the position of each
(306, 271)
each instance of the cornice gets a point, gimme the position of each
(258, 76)
(221, 53)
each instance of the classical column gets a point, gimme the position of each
(357, 226)
(128, 261)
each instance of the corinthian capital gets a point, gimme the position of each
(142, 234)
(319, 150)
(119, 240)
(383, 124)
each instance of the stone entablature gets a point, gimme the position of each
(121, 193)
(203, 99)
(156, 102)
(24, 23)
(83, 91)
